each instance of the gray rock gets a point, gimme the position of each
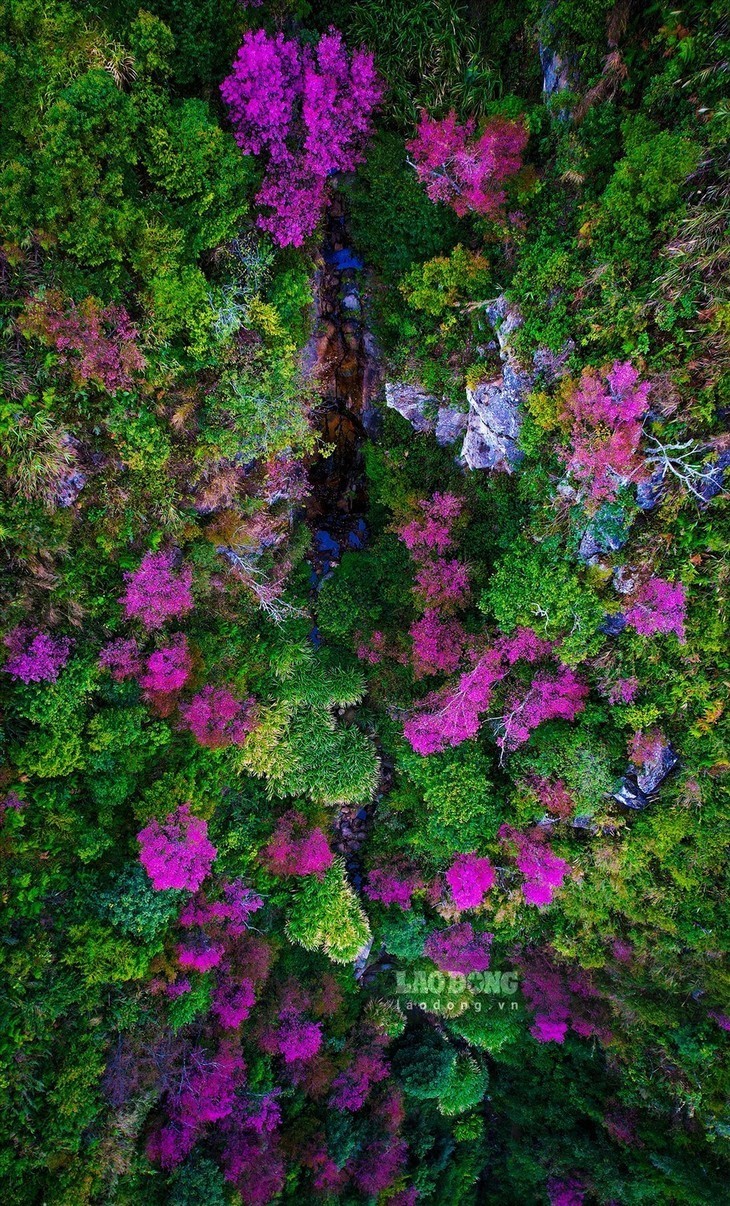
(555, 74)
(606, 533)
(450, 425)
(649, 493)
(631, 796)
(637, 787)
(656, 769)
(495, 407)
(411, 402)
(493, 426)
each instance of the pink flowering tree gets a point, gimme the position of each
(216, 718)
(441, 586)
(296, 1038)
(98, 343)
(569, 1192)
(392, 887)
(658, 607)
(453, 715)
(122, 658)
(544, 871)
(295, 849)
(307, 110)
(550, 697)
(176, 853)
(459, 949)
(470, 877)
(203, 1091)
(168, 668)
(560, 998)
(463, 169)
(158, 590)
(35, 657)
(605, 417)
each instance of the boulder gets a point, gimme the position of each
(656, 769)
(413, 403)
(606, 533)
(450, 425)
(493, 426)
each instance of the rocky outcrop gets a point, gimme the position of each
(493, 427)
(638, 786)
(607, 532)
(495, 407)
(412, 402)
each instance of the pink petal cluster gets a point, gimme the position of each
(432, 532)
(216, 718)
(121, 658)
(295, 1038)
(99, 343)
(177, 853)
(294, 849)
(560, 697)
(205, 1092)
(459, 949)
(168, 668)
(351, 1088)
(605, 420)
(438, 643)
(158, 590)
(566, 1193)
(308, 109)
(559, 999)
(451, 716)
(658, 606)
(35, 657)
(392, 888)
(544, 871)
(553, 795)
(470, 877)
(464, 170)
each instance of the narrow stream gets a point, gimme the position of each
(342, 360)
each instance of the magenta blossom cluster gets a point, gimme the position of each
(560, 999)
(553, 795)
(99, 343)
(605, 418)
(295, 849)
(351, 1088)
(216, 718)
(453, 715)
(442, 586)
(205, 1093)
(296, 1038)
(558, 697)
(570, 1192)
(176, 853)
(462, 169)
(658, 606)
(308, 109)
(470, 877)
(438, 643)
(158, 590)
(544, 871)
(168, 668)
(392, 887)
(459, 949)
(122, 658)
(35, 657)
